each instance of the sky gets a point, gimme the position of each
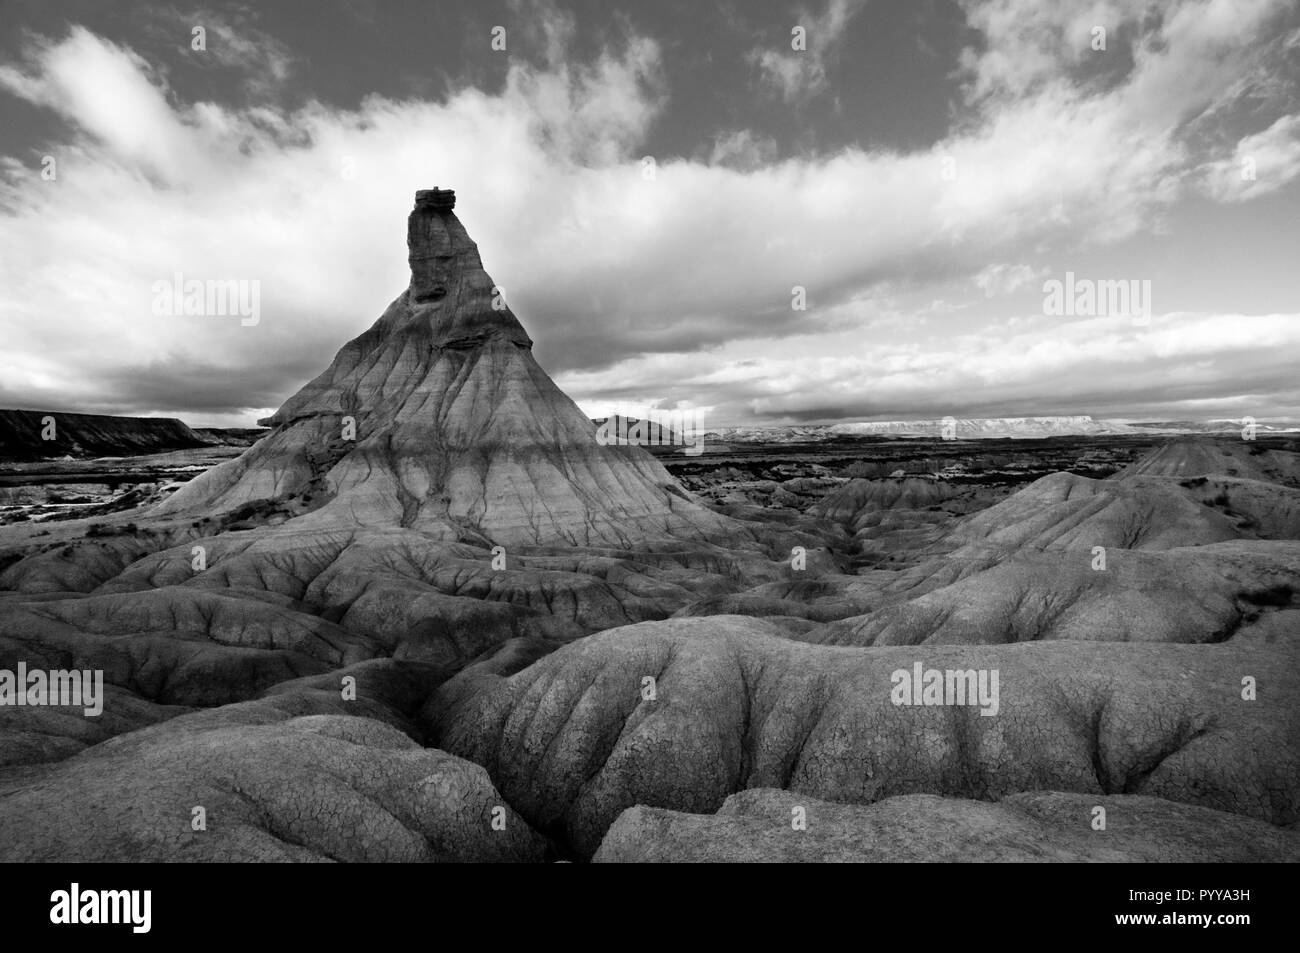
(766, 212)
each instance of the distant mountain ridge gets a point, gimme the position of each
(958, 428)
(1220, 425)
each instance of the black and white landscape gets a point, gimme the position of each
(843, 431)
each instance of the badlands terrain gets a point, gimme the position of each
(426, 615)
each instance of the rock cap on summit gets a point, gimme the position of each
(435, 199)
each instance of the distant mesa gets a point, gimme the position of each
(29, 435)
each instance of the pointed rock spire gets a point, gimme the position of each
(449, 287)
(438, 418)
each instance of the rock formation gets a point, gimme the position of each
(574, 740)
(1191, 594)
(297, 776)
(1209, 456)
(438, 419)
(755, 826)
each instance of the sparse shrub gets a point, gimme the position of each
(104, 529)
(1279, 595)
(252, 509)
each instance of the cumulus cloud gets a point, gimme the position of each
(742, 149)
(798, 74)
(233, 41)
(1026, 45)
(1027, 365)
(1002, 278)
(615, 276)
(1260, 164)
